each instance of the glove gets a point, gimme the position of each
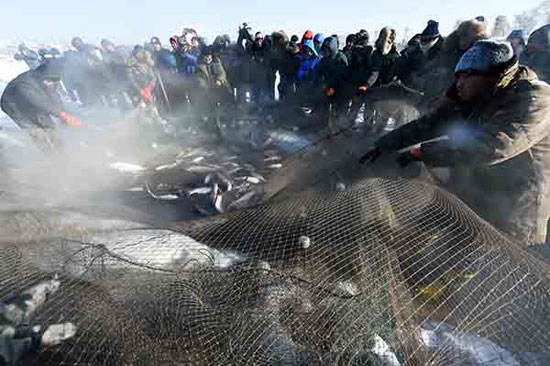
(146, 95)
(371, 155)
(363, 89)
(70, 120)
(404, 159)
(330, 92)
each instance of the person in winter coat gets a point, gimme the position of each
(33, 103)
(165, 61)
(210, 71)
(350, 42)
(85, 75)
(29, 56)
(306, 76)
(141, 74)
(418, 59)
(213, 89)
(360, 59)
(187, 55)
(384, 60)
(497, 121)
(333, 70)
(538, 52)
(116, 71)
(454, 46)
(360, 64)
(318, 42)
(333, 67)
(283, 60)
(517, 40)
(261, 78)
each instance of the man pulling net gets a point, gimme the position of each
(497, 120)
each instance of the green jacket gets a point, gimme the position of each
(334, 68)
(211, 75)
(499, 151)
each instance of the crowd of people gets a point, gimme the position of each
(488, 98)
(312, 69)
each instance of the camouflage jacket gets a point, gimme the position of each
(141, 72)
(212, 75)
(499, 151)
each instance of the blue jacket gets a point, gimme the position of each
(187, 62)
(165, 60)
(308, 65)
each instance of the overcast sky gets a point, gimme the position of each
(125, 21)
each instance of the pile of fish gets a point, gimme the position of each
(214, 180)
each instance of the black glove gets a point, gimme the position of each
(371, 155)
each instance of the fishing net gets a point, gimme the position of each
(386, 272)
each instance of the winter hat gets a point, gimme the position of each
(155, 40)
(484, 56)
(50, 70)
(351, 38)
(309, 44)
(258, 35)
(363, 36)
(307, 35)
(319, 37)
(432, 30)
(294, 38)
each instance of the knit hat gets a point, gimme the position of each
(484, 56)
(309, 44)
(432, 30)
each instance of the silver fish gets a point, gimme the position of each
(167, 166)
(202, 169)
(164, 197)
(259, 176)
(272, 158)
(243, 201)
(230, 163)
(197, 160)
(275, 166)
(200, 190)
(252, 180)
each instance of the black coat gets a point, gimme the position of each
(27, 101)
(384, 68)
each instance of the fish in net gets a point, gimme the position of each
(385, 272)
